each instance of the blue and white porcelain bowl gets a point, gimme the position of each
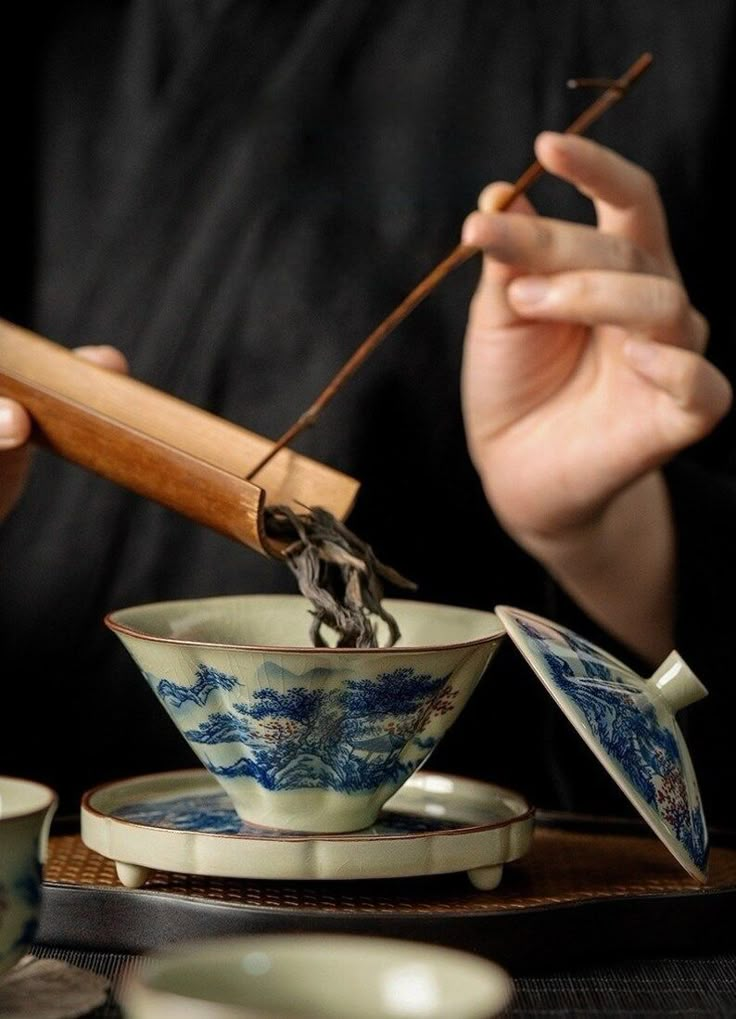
(26, 809)
(303, 738)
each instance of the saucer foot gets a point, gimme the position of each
(182, 822)
(131, 875)
(486, 878)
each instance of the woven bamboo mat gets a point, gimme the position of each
(562, 867)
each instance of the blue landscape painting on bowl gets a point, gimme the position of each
(644, 745)
(213, 814)
(319, 730)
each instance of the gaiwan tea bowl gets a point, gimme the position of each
(26, 810)
(303, 738)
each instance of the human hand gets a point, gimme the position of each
(583, 366)
(15, 431)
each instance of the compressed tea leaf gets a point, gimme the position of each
(338, 573)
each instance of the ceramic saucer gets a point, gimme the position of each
(182, 821)
(628, 722)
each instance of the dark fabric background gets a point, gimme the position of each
(235, 193)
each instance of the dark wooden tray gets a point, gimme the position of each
(586, 892)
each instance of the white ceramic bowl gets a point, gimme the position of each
(314, 976)
(303, 738)
(26, 809)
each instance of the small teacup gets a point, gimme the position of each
(304, 738)
(315, 976)
(26, 810)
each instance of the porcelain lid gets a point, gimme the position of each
(628, 722)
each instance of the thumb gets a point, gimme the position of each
(15, 454)
(104, 356)
(15, 425)
(491, 309)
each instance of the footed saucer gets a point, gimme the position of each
(182, 821)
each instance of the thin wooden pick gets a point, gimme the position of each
(615, 90)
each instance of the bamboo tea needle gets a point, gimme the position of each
(614, 91)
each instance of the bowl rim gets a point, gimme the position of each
(50, 797)
(497, 992)
(130, 631)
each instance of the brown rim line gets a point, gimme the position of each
(130, 631)
(51, 797)
(307, 648)
(354, 836)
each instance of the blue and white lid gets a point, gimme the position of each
(628, 722)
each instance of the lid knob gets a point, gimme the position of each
(675, 681)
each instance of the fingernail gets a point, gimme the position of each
(467, 235)
(530, 290)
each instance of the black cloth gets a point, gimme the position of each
(235, 194)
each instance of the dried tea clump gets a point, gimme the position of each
(338, 573)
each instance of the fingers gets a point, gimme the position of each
(625, 196)
(695, 394)
(15, 429)
(631, 239)
(492, 197)
(546, 245)
(104, 356)
(490, 307)
(15, 425)
(646, 303)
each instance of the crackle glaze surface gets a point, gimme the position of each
(633, 732)
(304, 738)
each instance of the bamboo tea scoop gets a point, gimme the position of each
(159, 446)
